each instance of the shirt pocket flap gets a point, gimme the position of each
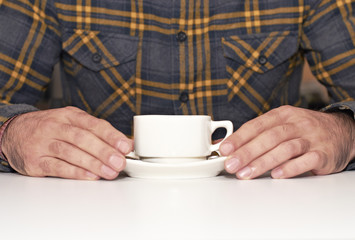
(97, 51)
(260, 52)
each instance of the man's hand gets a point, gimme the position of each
(291, 141)
(67, 143)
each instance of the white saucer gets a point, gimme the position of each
(199, 169)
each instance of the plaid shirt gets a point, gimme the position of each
(225, 58)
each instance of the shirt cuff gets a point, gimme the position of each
(348, 106)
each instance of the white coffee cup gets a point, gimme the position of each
(176, 138)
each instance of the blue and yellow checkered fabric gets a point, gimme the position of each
(225, 58)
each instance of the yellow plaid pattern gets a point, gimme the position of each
(227, 59)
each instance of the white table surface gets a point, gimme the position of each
(310, 207)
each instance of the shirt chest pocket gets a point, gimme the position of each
(100, 68)
(97, 51)
(257, 63)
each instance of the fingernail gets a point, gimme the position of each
(226, 148)
(232, 165)
(245, 173)
(123, 146)
(91, 176)
(108, 171)
(277, 173)
(116, 162)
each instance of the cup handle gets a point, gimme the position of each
(228, 125)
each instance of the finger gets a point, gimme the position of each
(260, 145)
(79, 158)
(90, 143)
(306, 162)
(101, 128)
(53, 167)
(282, 153)
(252, 129)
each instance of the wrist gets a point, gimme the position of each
(347, 123)
(5, 166)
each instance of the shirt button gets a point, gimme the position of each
(184, 97)
(262, 60)
(181, 36)
(96, 57)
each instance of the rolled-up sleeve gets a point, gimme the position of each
(29, 48)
